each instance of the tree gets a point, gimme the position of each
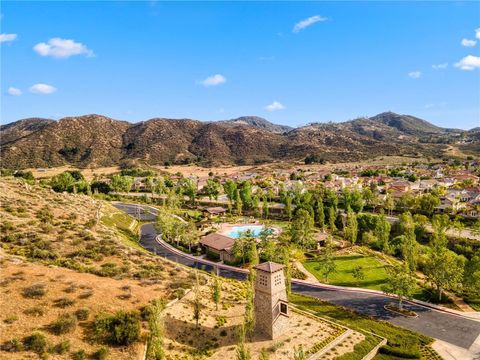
(188, 187)
(230, 188)
(331, 219)
(242, 247)
(353, 199)
(458, 225)
(253, 258)
(62, 182)
(266, 209)
(216, 290)
(389, 203)
(242, 352)
(320, 214)
(288, 207)
(249, 318)
(409, 245)
(327, 263)
(301, 229)
(120, 183)
(351, 228)
(197, 305)
(246, 194)
(382, 232)
(400, 282)
(285, 259)
(471, 277)
(407, 202)
(187, 234)
(358, 274)
(443, 267)
(238, 203)
(428, 203)
(331, 199)
(371, 198)
(212, 189)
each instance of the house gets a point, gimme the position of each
(399, 186)
(218, 244)
(138, 184)
(213, 211)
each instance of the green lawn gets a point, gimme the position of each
(373, 269)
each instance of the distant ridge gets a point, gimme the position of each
(260, 123)
(96, 140)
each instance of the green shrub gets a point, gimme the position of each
(213, 256)
(79, 355)
(35, 311)
(35, 342)
(35, 291)
(61, 348)
(122, 328)
(13, 345)
(150, 310)
(64, 302)
(411, 353)
(64, 324)
(45, 215)
(100, 354)
(82, 314)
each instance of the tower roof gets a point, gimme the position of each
(269, 266)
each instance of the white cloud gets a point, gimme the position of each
(14, 91)
(439, 66)
(62, 48)
(42, 89)
(469, 62)
(308, 22)
(477, 33)
(414, 74)
(7, 37)
(274, 106)
(214, 80)
(469, 43)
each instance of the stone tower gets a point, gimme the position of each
(271, 304)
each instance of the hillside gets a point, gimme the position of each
(407, 124)
(260, 123)
(95, 140)
(56, 262)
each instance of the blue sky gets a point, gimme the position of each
(292, 63)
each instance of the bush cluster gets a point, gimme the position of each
(121, 328)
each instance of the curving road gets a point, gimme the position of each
(443, 325)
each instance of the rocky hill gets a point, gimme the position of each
(260, 123)
(95, 140)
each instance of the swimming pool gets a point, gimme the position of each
(237, 231)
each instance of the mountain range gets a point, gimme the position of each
(96, 140)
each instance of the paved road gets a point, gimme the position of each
(451, 328)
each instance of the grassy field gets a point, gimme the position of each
(373, 269)
(375, 275)
(402, 342)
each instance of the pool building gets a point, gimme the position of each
(218, 246)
